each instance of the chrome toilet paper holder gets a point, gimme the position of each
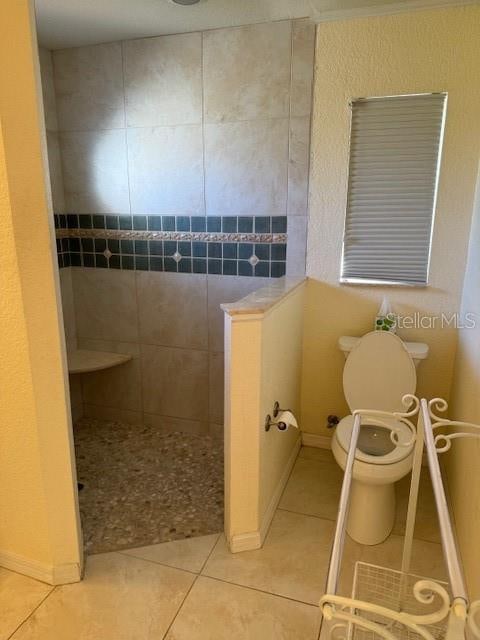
(281, 426)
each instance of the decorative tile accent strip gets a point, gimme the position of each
(204, 236)
(245, 245)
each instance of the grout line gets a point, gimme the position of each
(147, 560)
(32, 612)
(180, 607)
(209, 377)
(307, 515)
(326, 519)
(289, 119)
(267, 21)
(170, 126)
(122, 53)
(147, 344)
(211, 552)
(140, 351)
(257, 590)
(202, 88)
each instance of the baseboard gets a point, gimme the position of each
(245, 542)
(54, 575)
(255, 539)
(316, 440)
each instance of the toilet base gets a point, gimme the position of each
(372, 512)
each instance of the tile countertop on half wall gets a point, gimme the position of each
(264, 299)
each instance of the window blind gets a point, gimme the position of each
(395, 148)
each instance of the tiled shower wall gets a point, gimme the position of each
(203, 126)
(173, 327)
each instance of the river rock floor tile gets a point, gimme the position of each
(143, 487)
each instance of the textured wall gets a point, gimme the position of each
(418, 52)
(38, 524)
(464, 459)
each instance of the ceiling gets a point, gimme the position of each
(71, 23)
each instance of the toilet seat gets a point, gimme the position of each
(343, 433)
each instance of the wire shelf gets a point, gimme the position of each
(387, 588)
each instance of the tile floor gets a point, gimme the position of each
(196, 590)
(143, 486)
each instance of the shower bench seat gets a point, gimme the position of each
(86, 361)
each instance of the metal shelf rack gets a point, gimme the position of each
(396, 605)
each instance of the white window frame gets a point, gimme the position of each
(400, 282)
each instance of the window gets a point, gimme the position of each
(395, 148)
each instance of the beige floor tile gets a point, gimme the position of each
(292, 563)
(352, 553)
(313, 488)
(315, 453)
(121, 598)
(427, 557)
(189, 554)
(215, 610)
(426, 521)
(19, 596)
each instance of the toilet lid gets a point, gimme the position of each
(378, 373)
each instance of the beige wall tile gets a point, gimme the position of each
(175, 382)
(172, 309)
(163, 80)
(111, 413)
(167, 424)
(216, 386)
(89, 86)
(226, 289)
(296, 245)
(214, 611)
(298, 165)
(105, 304)
(48, 89)
(216, 430)
(77, 413)
(246, 167)
(247, 72)
(56, 173)
(189, 554)
(303, 49)
(76, 401)
(68, 306)
(121, 597)
(95, 174)
(118, 387)
(166, 170)
(284, 565)
(19, 596)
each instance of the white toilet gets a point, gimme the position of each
(380, 369)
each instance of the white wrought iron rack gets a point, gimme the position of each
(400, 605)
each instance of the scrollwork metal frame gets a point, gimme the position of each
(341, 612)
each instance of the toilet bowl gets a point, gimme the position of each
(378, 372)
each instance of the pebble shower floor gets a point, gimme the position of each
(143, 487)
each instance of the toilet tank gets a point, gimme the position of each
(418, 350)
